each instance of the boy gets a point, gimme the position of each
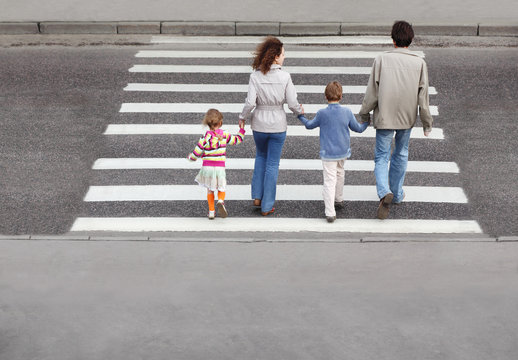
(335, 122)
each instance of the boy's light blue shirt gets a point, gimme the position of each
(334, 121)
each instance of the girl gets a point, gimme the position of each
(212, 149)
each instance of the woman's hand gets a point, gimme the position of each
(241, 123)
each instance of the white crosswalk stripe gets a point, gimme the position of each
(185, 129)
(284, 192)
(248, 164)
(229, 54)
(138, 224)
(223, 107)
(178, 191)
(245, 69)
(239, 88)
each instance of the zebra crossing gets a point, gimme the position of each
(132, 191)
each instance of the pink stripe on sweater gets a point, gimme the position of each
(213, 163)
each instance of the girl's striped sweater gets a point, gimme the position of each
(212, 148)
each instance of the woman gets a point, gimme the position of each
(268, 90)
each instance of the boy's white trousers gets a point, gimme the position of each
(334, 177)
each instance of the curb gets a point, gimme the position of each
(249, 28)
(267, 237)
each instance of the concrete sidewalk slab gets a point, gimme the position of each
(78, 28)
(199, 28)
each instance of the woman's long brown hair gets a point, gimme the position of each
(265, 54)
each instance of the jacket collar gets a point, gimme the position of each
(275, 66)
(401, 50)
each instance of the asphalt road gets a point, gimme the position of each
(56, 102)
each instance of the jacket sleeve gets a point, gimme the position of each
(198, 150)
(354, 125)
(236, 139)
(424, 100)
(291, 97)
(370, 100)
(251, 100)
(310, 124)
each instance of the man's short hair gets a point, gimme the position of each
(333, 91)
(402, 33)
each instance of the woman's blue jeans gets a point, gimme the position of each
(268, 149)
(391, 180)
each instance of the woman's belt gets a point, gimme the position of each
(269, 107)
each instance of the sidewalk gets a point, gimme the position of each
(198, 300)
(246, 17)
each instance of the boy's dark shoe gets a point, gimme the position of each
(330, 219)
(339, 205)
(383, 208)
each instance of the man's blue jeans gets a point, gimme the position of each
(391, 180)
(268, 149)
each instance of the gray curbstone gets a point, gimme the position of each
(498, 29)
(78, 28)
(508, 239)
(71, 237)
(138, 28)
(14, 237)
(257, 28)
(445, 30)
(305, 29)
(199, 28)
(365, 29)
(20, 28)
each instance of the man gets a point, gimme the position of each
(397, 88)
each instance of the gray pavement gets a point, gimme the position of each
(185, 300)
(378, 11)
(238, 17)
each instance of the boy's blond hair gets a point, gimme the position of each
(333, 91)
(212, 118)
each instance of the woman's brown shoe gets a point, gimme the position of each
(257, 202)
(268, 212)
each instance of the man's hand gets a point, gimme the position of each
(302, 107)
(365, 118)
(426, 133)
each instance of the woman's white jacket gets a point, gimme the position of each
(267, 94)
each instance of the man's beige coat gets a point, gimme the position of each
(397, 88)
